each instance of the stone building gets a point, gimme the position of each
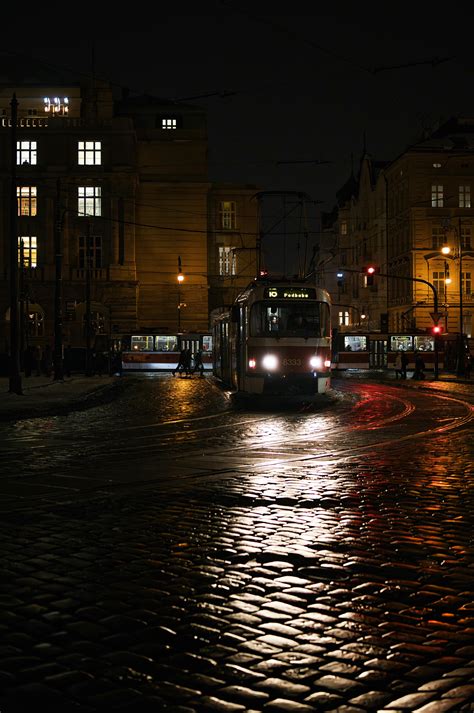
(413, 219)
(121, 185)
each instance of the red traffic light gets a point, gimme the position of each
(437, 329)
(370, 270)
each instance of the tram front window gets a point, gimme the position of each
(294, 319)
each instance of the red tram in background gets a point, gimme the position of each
(160, 352)
(363, 350)
(275, 340)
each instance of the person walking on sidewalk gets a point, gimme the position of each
(180, 366)
(198, 365)
(47, 361)
(405, 361)
(398, 366)
(419, 372)
(467, 365)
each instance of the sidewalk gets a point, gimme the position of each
(42, 396)
(389, 375)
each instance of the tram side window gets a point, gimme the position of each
(401, 343)
(206, 344)
(355, 344)
(424, 344)
(142, 343)
(166, 343)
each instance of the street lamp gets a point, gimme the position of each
(180, 278)
(446, 250)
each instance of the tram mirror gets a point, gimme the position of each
(234, 313)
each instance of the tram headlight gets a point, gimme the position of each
(270, 362)
(316, 362)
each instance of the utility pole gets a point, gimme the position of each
(15, 386)
(460, 369)
(88, 370)
(58, 315)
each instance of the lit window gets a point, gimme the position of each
(466, 283)
(35, 322)
(169, 123)
(28, 250)
(437, 196)
(436, 165)
(344, 318)
(466, 237)
(464, 196)
(227, 261)
(344, 227)
(26, 153)
(93, 256)
(227, 215)
(56, 105)
(89, 153)
(89, 200)
(439, 281)
(438, 237)
(26, 200)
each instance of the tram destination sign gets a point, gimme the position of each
(290, 293)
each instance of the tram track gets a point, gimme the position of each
(407, 408)
(260, 452)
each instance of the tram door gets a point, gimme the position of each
(377, 353)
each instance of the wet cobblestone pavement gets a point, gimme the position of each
(171, 552)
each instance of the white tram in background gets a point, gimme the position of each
(275, 340)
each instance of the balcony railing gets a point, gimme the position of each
(32, 273)
(97, 274)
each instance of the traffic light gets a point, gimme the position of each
(370, 271)
(436, 330)
(340, 279)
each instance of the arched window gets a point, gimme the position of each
(98, 323)
(34, 321)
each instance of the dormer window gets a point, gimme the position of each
(169, 123)
(56, 105)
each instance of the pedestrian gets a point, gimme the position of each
(67, 360)
(187, 362)
(467, 365)
(28, 361)
(47, 361)
(181, 361)
(198, 365)
(419, 372)
(405, 361)
(36, 361)
(398, 366)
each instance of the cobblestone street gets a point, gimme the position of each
(169, 551)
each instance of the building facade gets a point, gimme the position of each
(119, 189)
(413, 219)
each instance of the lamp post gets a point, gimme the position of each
(15, 386)
(58, 298)
(180, 278)
(446, 250)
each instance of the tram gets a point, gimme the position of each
(160, 352)
(274, 340)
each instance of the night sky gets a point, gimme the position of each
(302, 82)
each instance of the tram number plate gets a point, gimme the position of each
(291, 362)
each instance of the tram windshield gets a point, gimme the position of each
(290, 319)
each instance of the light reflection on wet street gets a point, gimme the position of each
(171, 551)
